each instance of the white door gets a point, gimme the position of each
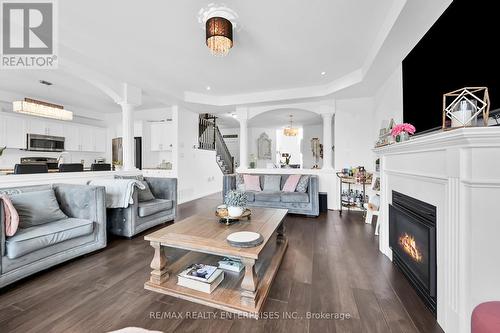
(100, 140)
(71, 134)
(15, 132)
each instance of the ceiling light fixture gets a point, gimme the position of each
(219, 35)
(208, 88)
(323, 73)
(290, 130)
(42, 109)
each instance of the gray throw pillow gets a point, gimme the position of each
(272, 183)
(146, 194)
(303, 184)
(35, 208)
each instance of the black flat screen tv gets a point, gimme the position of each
(458, 51)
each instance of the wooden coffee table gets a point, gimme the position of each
(205, 238)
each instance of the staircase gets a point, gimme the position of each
(210, 138)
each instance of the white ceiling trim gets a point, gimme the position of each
(351, 79)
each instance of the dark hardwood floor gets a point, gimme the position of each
(332, 266)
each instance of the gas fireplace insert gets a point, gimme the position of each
(412, 238)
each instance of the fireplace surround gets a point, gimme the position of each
(412, 239)
(455, 171)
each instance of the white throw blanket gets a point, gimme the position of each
(118, 191)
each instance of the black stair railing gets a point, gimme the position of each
(210, 138)
(223, 153)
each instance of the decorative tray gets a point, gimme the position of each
(224, 217)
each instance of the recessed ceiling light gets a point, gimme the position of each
(208, 88)
(323, 73)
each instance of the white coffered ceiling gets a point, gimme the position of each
(279, 53)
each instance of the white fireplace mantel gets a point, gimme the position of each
(457, 171)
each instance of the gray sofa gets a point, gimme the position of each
(141, 216)
(39, 247)
(296, 203)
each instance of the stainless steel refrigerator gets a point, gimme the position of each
(117, 151)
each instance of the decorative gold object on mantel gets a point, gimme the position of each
(461, 107)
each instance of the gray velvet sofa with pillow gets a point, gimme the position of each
(305, 203)
(148, 210)
(57, 222)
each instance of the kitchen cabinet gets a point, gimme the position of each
(86, 138)
(12, 132)
(45, 127)
(99, 140)
(162, 136)
(72, 137)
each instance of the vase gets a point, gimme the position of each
(403, 136)
(234, 211)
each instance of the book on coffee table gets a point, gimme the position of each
(204, 283)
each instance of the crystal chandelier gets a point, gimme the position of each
(42, 109)
(219, 35)
(290, 130)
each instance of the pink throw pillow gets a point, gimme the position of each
(291, 183)
(252, 183)
(11, 216)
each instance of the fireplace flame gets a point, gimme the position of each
(409, 245)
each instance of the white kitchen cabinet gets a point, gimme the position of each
(54, 128)
(13, 132)
(72, 137)
(162, 138)
(36, 126)
(86, 138)
(99, 140)
(45, 127)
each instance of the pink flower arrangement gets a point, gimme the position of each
(398, 129)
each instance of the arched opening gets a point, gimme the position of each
(286, 151)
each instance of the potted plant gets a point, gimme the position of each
(118, 165)
(236, 202)
(402, 132)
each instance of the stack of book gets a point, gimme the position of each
(201, 277)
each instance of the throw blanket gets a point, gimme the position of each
(118, 191)
(11, 216)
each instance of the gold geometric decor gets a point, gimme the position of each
(462, 107)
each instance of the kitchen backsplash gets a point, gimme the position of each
(11, 157)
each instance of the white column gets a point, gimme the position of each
(327, 140)
(243, 143)
(128, 136)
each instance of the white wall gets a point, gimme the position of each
(388, 101)
(198, 173)
(311, 131)
(289, 144)
(353, 133)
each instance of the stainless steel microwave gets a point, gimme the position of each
(37, 142)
